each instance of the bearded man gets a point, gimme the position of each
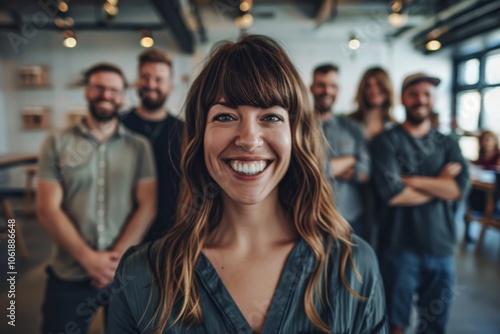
(164, 131)
(418, 172)
(348, 158)
(96, 197)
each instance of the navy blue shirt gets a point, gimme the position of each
(346, 314)
(428, 228)
(165, 137)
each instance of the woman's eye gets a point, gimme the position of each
(223, 118)
(273, 118)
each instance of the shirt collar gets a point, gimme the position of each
(82, 128)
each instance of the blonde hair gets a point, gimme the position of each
(254, 71)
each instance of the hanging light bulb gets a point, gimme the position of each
(398, 20)
(245, 6)
(147, 40)
(433, 45)
(69, 39)
(244, 21)
(354, 43)
(110, 8)
(62, 6)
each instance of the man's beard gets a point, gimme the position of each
(416, 120)
(151, 104)
(321, 108)
(99, 117)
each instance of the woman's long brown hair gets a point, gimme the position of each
(254, 71)
(383, 80)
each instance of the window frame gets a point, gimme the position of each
(481, 86)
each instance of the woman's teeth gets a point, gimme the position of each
(248, 168)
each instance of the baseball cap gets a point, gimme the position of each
(417, 77)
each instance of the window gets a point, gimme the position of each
(477, 91)
(493, 68)
(469, 72)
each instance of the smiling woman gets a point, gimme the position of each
(258, 246)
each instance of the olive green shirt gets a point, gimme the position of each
(98, 180)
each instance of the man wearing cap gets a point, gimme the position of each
(418, 172)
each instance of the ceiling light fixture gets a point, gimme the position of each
(399, 16)
(147, 40)
(62, 6)
(245, 6)
(69, 39)
(110, 7)
(354, 43)
(398, 20)
(245, 19)
(433, 45)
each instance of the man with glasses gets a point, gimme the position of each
(152, 120)
(96, 197)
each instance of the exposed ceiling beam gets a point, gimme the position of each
(327, 10)
(170, 11)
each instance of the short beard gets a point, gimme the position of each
(102, 118)
(416, 120)
(152, 105)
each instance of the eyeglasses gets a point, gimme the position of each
(98, 89)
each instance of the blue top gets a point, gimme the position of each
(345, 137)
(346, 314)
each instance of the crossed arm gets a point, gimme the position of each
(99, 265)
(422, 189)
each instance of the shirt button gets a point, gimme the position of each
(100, 213)
(100, 227)
(100, 198)
(102, 148)
(102, 164)
(100, 182)
(101, 241)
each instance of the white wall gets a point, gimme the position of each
(306, 45)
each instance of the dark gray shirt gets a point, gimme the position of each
(428, 228)
(98, 180)
(344, 137)
(129, 311)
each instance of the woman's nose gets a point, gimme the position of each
(250, 136)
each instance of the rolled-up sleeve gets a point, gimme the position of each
(455, 155)
(48, 165)
(385, 174)
(146, 167)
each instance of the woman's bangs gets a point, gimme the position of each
(250, 80)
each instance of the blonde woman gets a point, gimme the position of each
(258, 246)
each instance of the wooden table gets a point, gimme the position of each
(16, 159)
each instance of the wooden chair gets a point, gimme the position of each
(5, 196)
(29, 197)
(491, 217)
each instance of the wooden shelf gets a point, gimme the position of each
(36, 118)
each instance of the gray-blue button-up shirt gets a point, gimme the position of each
(131, 308)
(344, 137)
